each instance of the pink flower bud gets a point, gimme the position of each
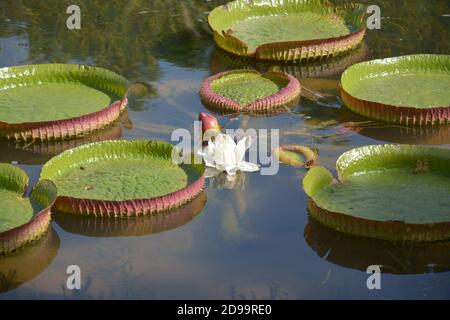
(209, 122)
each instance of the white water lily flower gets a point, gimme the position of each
(223, 154)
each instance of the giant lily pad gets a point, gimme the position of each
(22, 219)
(408, 90)
(122, 178)
(287, 29)
(250, 91)
(392, 192)
(132, 226)
(58, 101)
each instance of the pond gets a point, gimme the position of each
(247, 239)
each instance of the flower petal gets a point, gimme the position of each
(231, 169)
(209, 161)
(243, 145)
(211, 147)
(219, 145)
(229, 152)
(248, 166)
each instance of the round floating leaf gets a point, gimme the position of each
(287, 30)
(58, 101)
(394, 258)
(27, 263)
(408, 90)
(250, 91)
(122, 178)
(392, 192)
(22, 219)
(132, 226)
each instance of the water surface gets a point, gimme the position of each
(248, 238)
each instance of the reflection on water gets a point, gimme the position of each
(430, 135)
(26, 263)
(224, 181)
(129, 45)
(222, 61)
(247, 240)
(134, 226)
(39, 152)
(356, 253)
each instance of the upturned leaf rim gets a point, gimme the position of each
(370, 158)
(404, 115)
(121, 208)
(221, 17)
(44, 194)
(287, 96)
(99, 78)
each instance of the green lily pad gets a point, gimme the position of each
(391, 192)
(56, 101)
(245, 88)
(249, 90)
(114, 178)
(287, 30)
(22, 219)
(409, 90)
(300, 26)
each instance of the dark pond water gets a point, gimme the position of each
(250, 240)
